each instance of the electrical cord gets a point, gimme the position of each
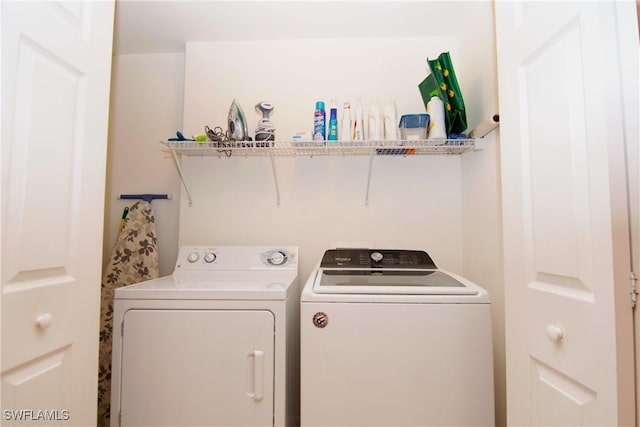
(220, 137)
(265, 132)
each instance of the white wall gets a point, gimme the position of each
(481, 202)
(482, 247)
(322, 205)
(294, 74)
(146, 107)
(415, 202)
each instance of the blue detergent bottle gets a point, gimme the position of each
(333, 122)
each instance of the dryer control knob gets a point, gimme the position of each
(193, 257)
(209, 257)
(278, 258)
(376, 256)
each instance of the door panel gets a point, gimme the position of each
(559, 399)
(44, 162)
(197, 367)
(56, 60)
(43, 384)
(566, 236)
(556, 176)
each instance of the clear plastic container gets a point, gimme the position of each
(414, 126)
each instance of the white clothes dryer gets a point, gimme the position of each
(214, 344)
(388, 339)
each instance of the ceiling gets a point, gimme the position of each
(160, 26)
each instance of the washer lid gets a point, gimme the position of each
(390, 282)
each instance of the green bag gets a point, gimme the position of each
(443, 83)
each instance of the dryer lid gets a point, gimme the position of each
(222, 285)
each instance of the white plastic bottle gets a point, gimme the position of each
(358, 123)
(390, 121)
(437, 126)
(346, 125)
(374, 122)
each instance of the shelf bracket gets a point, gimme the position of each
(184, 184)
(478, 144)
(366, 196)
(275, 177)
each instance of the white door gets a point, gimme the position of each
(566, 236)
(56, 66)
(197, 368)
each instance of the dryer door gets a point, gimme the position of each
(197, 367)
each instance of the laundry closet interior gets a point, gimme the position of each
(293, 54)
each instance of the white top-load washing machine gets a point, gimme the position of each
(214, 344)
(388, 339)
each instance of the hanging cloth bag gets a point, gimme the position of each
(443, 83)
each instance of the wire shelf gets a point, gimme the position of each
(273, 149)
(327, 148)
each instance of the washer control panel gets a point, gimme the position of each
(376, 258)
(219, 258)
